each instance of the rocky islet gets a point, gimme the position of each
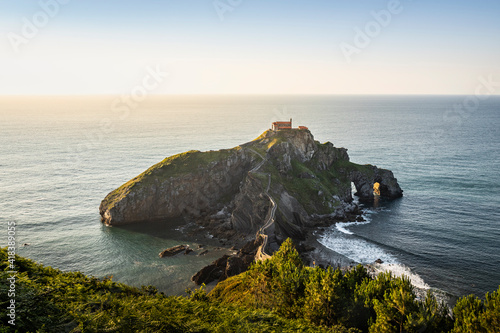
(228, 191)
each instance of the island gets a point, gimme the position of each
(278, 186)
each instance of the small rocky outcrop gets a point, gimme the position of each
(211, 272)
(227, 266)
(364, 180)
(172, 251)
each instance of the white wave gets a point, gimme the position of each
(357, 250)
(342, 226)
(368, 211)
(363, 252)
(399, 270)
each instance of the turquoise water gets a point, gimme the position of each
(59, 158)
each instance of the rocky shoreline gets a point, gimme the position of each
(284, 184)
(244, 246)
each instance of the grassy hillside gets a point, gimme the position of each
(352, 299)
(278, 295)
(48, 300)
(315, 191)
(172, 166)
(329, 183)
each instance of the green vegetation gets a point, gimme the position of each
(353, 300)
(315, 191)
(277, 295)
(331, 182)
(265, 141)
(306, 190)
(473, 315)
(172, 166)
(48, 300)
(331, 298)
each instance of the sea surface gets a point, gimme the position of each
(60, 156)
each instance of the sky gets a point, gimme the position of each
(59, 47)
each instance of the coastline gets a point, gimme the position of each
(323, 256)
(213, 235)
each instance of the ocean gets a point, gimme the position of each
(60, 156)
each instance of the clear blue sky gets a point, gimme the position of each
(260, 46)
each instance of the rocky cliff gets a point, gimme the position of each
(304, 177)
(192, 183)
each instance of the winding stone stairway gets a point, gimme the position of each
(261, 253)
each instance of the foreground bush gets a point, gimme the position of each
(351, 299)
(48, 300)
(277, 295)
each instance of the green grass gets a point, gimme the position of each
(306, 190)
(48, 300)
(173, 166)
(351, 300)
(348, 166)
(277, 295)
(334, 181)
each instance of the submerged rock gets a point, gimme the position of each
(172, 251)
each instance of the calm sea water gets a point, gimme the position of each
(59, 157)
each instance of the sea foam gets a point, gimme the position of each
(358, 250)
(342, 226)
(345, 242)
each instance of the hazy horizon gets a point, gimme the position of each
(391, 47)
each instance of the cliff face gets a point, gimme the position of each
(192, 183)
(302, 176)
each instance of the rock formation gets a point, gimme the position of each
(227, 266)
(190, 183)
(304, 177)
(170, 252)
